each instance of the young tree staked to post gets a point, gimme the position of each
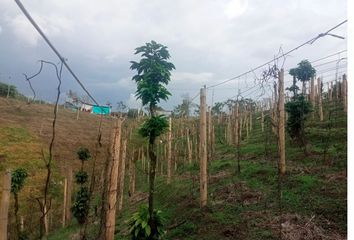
(298, 108)
(18, 178)
(153, 74)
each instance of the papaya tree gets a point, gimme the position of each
(80, 207)
(153, 74)
(298, 108)
(303, 72)
(18, 178)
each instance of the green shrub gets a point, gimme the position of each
(140, 228)
(80, 208)
(81, 177)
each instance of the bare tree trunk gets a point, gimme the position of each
(203, 150)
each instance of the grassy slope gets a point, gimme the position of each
(25, 131)
(241, 206)
(246, 205)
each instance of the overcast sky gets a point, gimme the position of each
(209, 41)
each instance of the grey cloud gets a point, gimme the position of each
(99, 37)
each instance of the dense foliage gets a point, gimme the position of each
(153, 73)
(298, 110)
(80, 208)
(139, 227)
(81, 177)
(154, 127)
(18, 178)
(83, 154)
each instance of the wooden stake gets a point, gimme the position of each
(132, 174)
(68, 194)
(113, 181)
(312, 95)
(281, 124)
(345, 98)
(237, 120)
(46, 222)
(320, 99)
(203, 150)
(189, 146)
(209, 133)
(5, 203)
(22, 224)
(169, 152)
(65, 199)
(251, 122)
(122, 175)
(262, 119)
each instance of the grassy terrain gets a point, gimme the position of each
(245, 205)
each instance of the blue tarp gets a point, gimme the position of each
(105, 110)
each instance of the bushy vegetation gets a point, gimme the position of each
(140, 228)
(81, 206)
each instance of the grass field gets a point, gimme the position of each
(245, 205)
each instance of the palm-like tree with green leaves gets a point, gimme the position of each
(153, 74)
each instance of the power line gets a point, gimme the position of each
(35, 25)
(311, 41)
(334, 54)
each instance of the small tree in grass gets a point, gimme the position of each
(298, 108)
(80, 207)
(153, 73)
(18, 178)
(304, 72)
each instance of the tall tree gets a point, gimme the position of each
(303, 72)
(153, 74)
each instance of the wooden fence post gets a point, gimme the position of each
(209, 133)
(262, 119)
(189, 146)
(203, 150)
(169, 152)
(122, 175)
(113, 181)
(5, 203)
(320, 98)
(69, 187)
(65, 199)
(345, 98)
(281, 124)
(132, 174)
(312, 96)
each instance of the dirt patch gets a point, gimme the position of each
(220, 175)
(235, 232)
(337, 177)
(237, 193)
(138, 197)
(295, 227)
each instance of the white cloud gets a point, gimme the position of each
(236, 8)
(132, 102)
(191, 78)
